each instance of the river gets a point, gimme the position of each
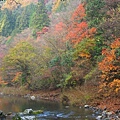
(52, 110)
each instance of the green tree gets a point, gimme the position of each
(95, 16)
(39, 18)
(94, 13)
(110, 26)
(23, 19)
(20, 59)
(7, 23)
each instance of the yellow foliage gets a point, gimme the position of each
(84, 55)
(11, 4)
(57, 3)
(115, 85)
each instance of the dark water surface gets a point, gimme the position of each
(52, 110)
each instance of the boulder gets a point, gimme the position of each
(28, 111)
(86, 106)
(32, 97)
(2, 115)
(99, 117)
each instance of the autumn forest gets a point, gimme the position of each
(61, 44)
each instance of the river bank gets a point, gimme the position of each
(74, 97)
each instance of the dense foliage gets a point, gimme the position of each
(19, 62)
(75, 41)
(39, 19)
(16, 20)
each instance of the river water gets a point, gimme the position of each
(52, 110)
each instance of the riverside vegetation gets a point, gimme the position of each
(65, 50)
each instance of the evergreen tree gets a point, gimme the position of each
(39, 18)
(0, 14)
(6, 23)
(94, 17)
(94, 12)
(23, 19)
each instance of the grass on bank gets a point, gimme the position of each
(14, 91)
(80, 95)
(75, 96)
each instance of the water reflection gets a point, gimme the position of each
(52, 110)
(17, 104)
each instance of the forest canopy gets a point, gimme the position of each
(67, 44)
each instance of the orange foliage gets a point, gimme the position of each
(107, 62)
(116, 44)
(110, 67)
(2, 82)
(115, 85)
(84, 55)
(17, 76)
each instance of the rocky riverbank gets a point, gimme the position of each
(98, 114)
(104, 114)
(28, 114)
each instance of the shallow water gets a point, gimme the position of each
(52, 110)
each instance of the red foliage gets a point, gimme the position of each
(43, 31)
(59, 27)
(79, 13)
(78, 29)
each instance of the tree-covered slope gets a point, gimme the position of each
(15, 20)
(76, 43)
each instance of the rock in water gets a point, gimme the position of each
(2, 115)
(99, 117)
(32, 97)
(1, 112)
(35, 112)
(86, 106)
(28, 111)
(28, 118)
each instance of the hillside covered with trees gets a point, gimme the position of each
(61, 44)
